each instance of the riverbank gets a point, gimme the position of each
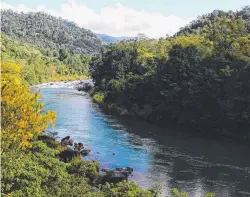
(38, 169)
(170, 157)
(113, 108)
(98, 97)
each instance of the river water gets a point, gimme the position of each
(195, 164)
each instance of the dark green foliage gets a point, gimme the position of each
(128, 189)
(63, 54)
(185, 85)
(196, 80)
(197, 25)
(47, 31)
(33, 173)
(88, 169)
(49, 141)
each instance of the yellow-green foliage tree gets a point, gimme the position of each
(22, 117)
(145, 49)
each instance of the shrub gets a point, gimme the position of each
(88, 169)
(98, 97)
(125, 189)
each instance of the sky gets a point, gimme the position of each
(154, 18)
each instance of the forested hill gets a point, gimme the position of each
(47, 31)
(198, 77)
(206, 20)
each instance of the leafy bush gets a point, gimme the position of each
(35, 172)
(88, 169)
(98, 97)
(127, 189)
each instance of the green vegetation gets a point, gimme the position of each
(98, 97)
(198, 77)
(50, 32)
(30, 167)
(46, 47)
(43, 65)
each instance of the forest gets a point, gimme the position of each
(47, 31)
(40, 65)
(38, 170)
(198, 78)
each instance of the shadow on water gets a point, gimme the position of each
(195, 163)
(170, 156)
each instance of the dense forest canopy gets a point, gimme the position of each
(197, 26)
(42, 65)
(198, 77)
(47, 31)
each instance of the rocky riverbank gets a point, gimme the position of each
(80, 85)
(67, 84)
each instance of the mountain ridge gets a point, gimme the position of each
(48, 31)
(113, 39)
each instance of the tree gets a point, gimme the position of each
(63, 54)
(22, 117)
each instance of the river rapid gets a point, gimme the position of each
(173, 158)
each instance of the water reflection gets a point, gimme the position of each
(173, 158)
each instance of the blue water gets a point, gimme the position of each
(174, 159)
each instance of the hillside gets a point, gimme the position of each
(47, 31)
(110, 39)
(40, 65)
(197, 26)
(198, 78)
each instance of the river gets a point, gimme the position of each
(195, 164)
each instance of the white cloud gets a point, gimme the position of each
(115, 20)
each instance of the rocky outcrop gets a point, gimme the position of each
(69, 153)
(66, 141)
(85, 85)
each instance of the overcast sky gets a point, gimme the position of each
(155, 18)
